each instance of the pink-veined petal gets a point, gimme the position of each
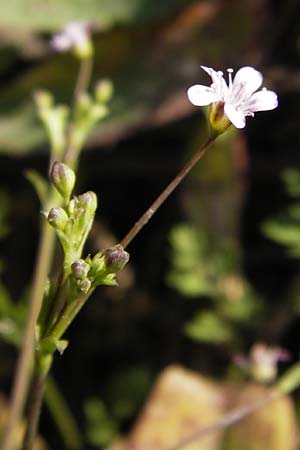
(236, 117)
(246, 81)
(264, 100)
(201, 95)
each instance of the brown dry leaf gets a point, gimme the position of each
(271, 427)
(180, 404)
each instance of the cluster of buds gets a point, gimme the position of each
(89, 110)
(73, 221)
(100, 270)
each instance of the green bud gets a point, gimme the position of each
(84, 49)
(63, 179)
(98, 264)
(43, 100)
(219, 122)
(58, 218)
(115, 258)
(104, 90)
(80, 269)
(88, 202)
(98, 112)
(84, 104)
(85, 285)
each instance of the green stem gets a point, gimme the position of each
(35, 402)
(62, 416)
(144, 219)
(83, 79)
(85, 70)
(68, 315)
(24, 363)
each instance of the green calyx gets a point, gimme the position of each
(218, 120)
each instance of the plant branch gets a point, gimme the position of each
(85, 70)
(144, 219)
(62, 416)
(83, 79)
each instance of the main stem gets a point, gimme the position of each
(34, 408)
(165, 194)
(24, 362)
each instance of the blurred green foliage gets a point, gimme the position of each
(42, 15)
(285, 228)
(101, 428)
(202, 270)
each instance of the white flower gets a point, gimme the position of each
(239, 97)
(74, 35)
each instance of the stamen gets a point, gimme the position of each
(230, 71)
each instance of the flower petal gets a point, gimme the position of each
(236, 117)
(218, 83)
(201, 95)
(264, 100)
(246, 81)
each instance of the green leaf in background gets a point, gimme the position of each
(49, 15)
(101, 428)
(192, 273)
(39, 183)
(291, 179)
(206, 326)
(285, 230)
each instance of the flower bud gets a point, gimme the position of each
(43, 99)
(58, 218)
(104, 90)
(80, 269)
(88, 202)
(63, 179)
(218, 120)
(85, 285)
(98, 112)
(115, 258)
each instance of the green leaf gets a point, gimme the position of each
(101, 428)
(39, 183)
(208, 327)
(49, 15)
(50, 344)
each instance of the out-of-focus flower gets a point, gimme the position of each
(75, 36)
(236, 100)
(262, 361)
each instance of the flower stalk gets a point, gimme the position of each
(144, 219)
